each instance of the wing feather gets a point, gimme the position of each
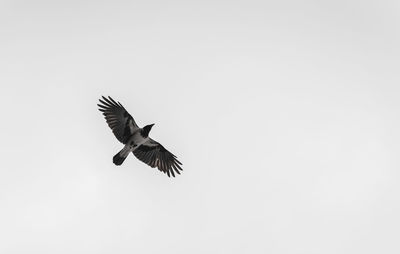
(118, 119)
(155, 155)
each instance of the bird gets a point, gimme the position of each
(136, 139)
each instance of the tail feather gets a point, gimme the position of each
(118, 159)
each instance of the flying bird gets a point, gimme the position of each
(136, 139)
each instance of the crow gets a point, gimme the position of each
(136, 139)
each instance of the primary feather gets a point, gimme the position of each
(118, 119)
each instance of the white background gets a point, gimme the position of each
(285, 114)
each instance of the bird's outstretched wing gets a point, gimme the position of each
(155, 155)
(118, 119)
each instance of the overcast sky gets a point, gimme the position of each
(285, 114)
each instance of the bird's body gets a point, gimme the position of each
(134, 142)
(136, 139)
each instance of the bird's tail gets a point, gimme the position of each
(119, 158)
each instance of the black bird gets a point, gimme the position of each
(136, 139)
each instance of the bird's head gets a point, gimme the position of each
(146, 130)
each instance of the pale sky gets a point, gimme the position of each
(285, 115)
